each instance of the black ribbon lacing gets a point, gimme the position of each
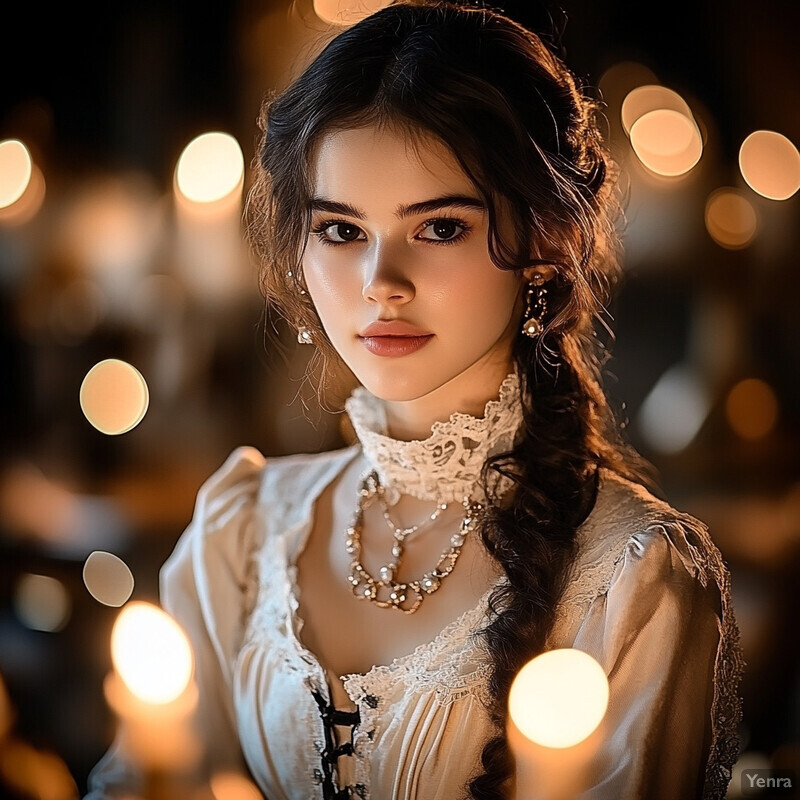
(330, 755)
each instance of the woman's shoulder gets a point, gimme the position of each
(628, 528)
(249, 485)
(248, 477)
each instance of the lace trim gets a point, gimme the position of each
(593, 579)
(450, 665)
(447, 465)
(726, 708)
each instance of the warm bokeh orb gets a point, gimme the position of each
(347, 12)
(667, 142)
(770, 163)
(107, 578)
(674, 410)
(730, 219)
(42, 603)
(16, 168)
(28, 204)
(751, 408)
(210, 168)
(114, 396)
(644, 99)
(151, 653)
(559, 698)
(233, 786)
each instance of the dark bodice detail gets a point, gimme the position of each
(330, 755)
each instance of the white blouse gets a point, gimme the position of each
(648, 598)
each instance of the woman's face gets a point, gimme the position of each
(397, 265)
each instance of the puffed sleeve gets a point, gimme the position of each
(209, 586)
(665, 636)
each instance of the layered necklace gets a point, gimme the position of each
(444, 468)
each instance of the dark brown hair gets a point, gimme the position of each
(527, 136)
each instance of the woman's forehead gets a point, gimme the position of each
(380, 160)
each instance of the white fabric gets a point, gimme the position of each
(445, 466)
(648, 599)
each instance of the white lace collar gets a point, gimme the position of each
(446, 466)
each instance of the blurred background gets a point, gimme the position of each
(122, 265)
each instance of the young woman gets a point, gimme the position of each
(433, 211)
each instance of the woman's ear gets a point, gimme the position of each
(547, 271)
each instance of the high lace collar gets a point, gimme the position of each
(446, 466)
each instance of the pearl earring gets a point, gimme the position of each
(304, 336)
(536, 297)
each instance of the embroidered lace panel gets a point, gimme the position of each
(456, 664)
(447, 465)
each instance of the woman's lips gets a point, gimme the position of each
(395, 346)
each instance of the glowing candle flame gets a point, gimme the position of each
(559, 698)
(151, 653)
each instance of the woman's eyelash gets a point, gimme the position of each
(320, 229)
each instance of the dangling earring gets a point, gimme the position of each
(532, 325)
(304, 336)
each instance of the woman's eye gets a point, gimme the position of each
(339, 232)
(443, 230)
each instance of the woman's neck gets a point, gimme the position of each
(467, 393)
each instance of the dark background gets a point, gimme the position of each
(120, 90)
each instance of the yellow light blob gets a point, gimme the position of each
(644, 99)
(770, 163)
(233, 786)
(107, 578)
(666, 142)
(114, 396)
(42, 603)
(28, 772)
(730, 218)
(559, 698)
(16, 168)
(28, 204)
(751, 408)
(347, 12)
(151, 653)
(210, 168)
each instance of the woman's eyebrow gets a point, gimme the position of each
(403, 211)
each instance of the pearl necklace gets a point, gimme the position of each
(386, 592)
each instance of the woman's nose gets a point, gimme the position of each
(386, 281)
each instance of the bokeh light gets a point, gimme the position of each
(151, 653)
(667, 142)
(107, 578)
(26, 772)
(730, 218)
(559, 698)
(751, 408)
(210, 168)
(41, 603)
(16, 168)
(645, 99)
(674, 410)
(770, 163)
(347, 12)
(28, 204)
(233, 786)
(114, 396)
